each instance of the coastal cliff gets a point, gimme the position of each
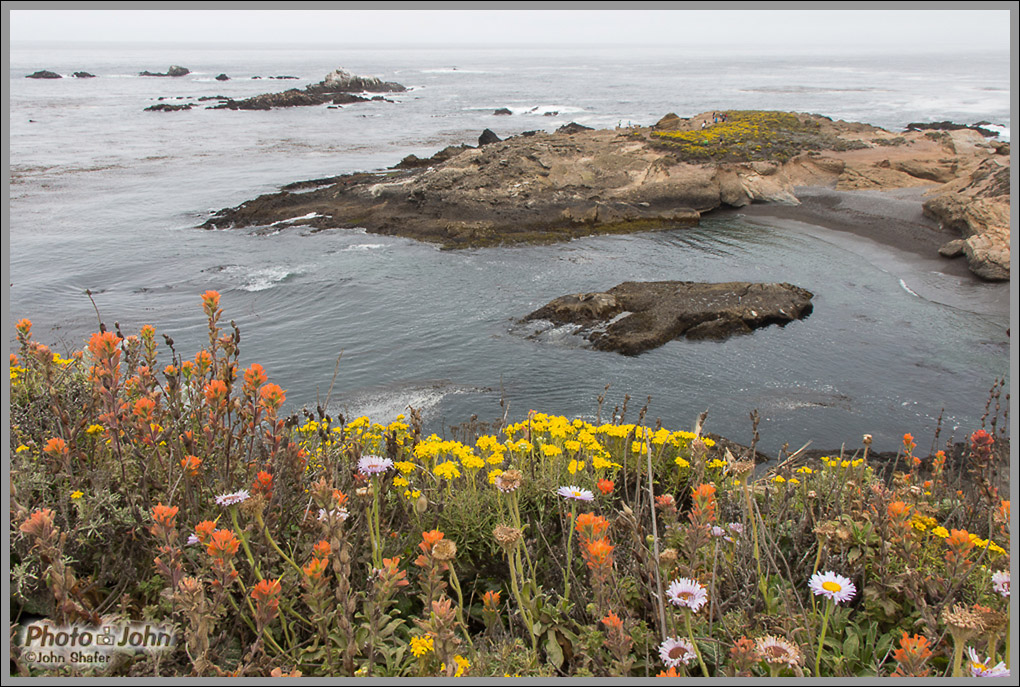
(544, 187)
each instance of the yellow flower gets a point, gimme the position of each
(778, 479)
(940, 532)
(447, 470)
(77, 494)
(551, 451)
(575, 466)
(21, 449)
(93, 430)
(462, 665)
(682, 462)
(493, 474)
(400, 482)
(421, 645)
(572, 445)
(805, 470)
(405, 466)
(601, 463)
(716, 463)
(412, 495)
(794, 480)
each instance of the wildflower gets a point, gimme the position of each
(447, 470)
(272, 397)
(77, 494)
(591, 526)
(232, 499)
(599, 555)
(832, 586)
(777, 651)
(164, 516)
(960, 545)
(606, 486)
(315, 568)
(39, 524)
(979, 668)
(576, 493)
(685, 592)
(490, 600)
(254, 377)
(1000, 582)
(56, 447)
(322, 549)
(676, 651)
(215, 393)
(963, 622)
(267, 592)
(204, 530)
(911, 656)
(333, 515)
(222, 543)
(404, 466)
(508, 481)
(190, 464)
(263, 484)
(421, 645)
(373, 465)
(668, 673)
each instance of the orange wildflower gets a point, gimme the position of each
(263, 484)
(216, 393)
(39, 524)
(272, 396)
(24, 327)
(254, 377)
(190, 464)
(898, 510)
(960, 546)
(322, 549)
(599, 554)
(204, 530)
(165, 515)
(56, 447)
(267, 591)
(668, 673)
(591, 526)
(490, 600)
(612, 621)
(606, 486)
(104, 345)
(143, 409)
(315, 568)
(210, 302)
(223, 543)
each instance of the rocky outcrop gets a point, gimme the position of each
(222, 77)
(951, 126)
(634, 317)
(83, 75)
(164, 107)
(977, 206)
(502, 111)
(174, 70)
(44, 74)
(541, 187)
(337, 88)
(488, 137)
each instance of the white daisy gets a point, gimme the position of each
(576, 493)
(775, 650)
(676, 651)
(979, 668)
(373, 465)
(832, 586)
(232, 499)
(684, 592)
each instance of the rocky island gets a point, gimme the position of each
(339, 88)
(634, 317)
(543, 187)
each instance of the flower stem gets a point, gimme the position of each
(821, 636)
(697, 651)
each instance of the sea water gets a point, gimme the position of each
(107, 197)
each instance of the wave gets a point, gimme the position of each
(536, 110)
(454, 70)
(364, 246)
(256, 278)
(383, 406)
(908, 289)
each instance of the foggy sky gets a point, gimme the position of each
(739, 29)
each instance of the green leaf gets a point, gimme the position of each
(553, 649)
(851, 646)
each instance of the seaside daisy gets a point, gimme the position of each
(1000, 582)
(832, 586)
(979, 668)
(232, 499)
(373, 465)
(508, 481)
(676, 651)
(685, 592)
(777, 651)
(576, 493)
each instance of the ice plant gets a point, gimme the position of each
(836, 589)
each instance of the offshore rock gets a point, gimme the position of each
(174, 70)
(338, 88)
(44, 74)
(634, 317)
(83, 75)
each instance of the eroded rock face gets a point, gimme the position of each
(977, 206)
(634, 317)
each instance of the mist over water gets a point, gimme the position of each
(106, 197)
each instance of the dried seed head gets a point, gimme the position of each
(668, 557)
(509, 481)
(507, 537)
(444, 550)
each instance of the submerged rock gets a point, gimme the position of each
(44, 74)
(503, 111)
(163, 107)
(634, 317)
(222, 77)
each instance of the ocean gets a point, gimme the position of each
(107, 197)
